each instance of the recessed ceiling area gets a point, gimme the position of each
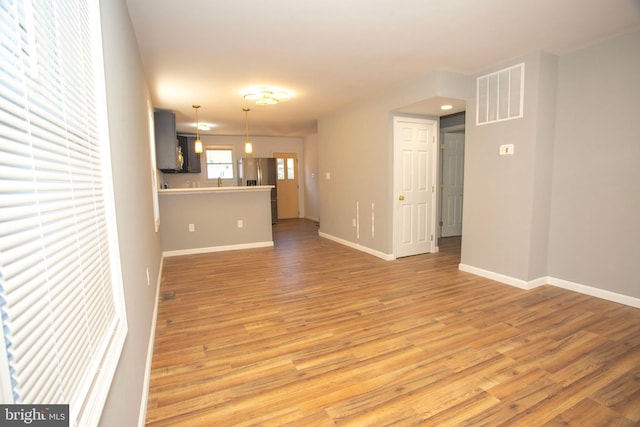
(433, 107)
(332, 53)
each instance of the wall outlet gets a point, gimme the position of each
(240, 223)
(327, 175)
(192, 228)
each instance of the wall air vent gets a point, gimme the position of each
(500, 95)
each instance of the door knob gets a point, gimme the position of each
(401, 197)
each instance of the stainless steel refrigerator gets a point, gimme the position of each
(260, 171)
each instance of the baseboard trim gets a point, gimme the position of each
(195, 251)
(518, 283)
(386, 257)
(152, 338)
(595, 292)
(553, 281)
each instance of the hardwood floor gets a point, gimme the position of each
(313, 333)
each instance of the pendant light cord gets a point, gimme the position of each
(197, 122)
(246, 121)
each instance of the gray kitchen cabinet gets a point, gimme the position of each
(168, 151)
(191, 158)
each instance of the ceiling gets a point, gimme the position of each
(330, 53)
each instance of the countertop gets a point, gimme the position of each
(205, 190)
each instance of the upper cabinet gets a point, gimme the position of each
(168, 152)
(191, 158)
(174, 153)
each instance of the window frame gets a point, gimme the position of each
(232, 164)
(88, 392)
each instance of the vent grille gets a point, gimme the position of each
(500, 95)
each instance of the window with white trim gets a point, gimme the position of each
(61, 298)
(219, 162)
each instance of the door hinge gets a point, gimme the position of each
(432, 237)
(441, 223)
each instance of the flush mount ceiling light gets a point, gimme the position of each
(248, 147)
(446, 107)
(198, 142)
(266, 96)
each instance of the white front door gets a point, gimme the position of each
(414, 186)
(452, 183)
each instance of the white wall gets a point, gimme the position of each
(595, 226)
(127, 100)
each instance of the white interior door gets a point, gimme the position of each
(414, 186)
(452, 184)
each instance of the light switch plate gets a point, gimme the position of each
(506, 150)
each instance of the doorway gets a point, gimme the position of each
(287, 185)
(452, 183)
(414, 164)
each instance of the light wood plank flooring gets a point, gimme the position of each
(313, 333)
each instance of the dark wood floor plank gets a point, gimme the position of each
(313, 333)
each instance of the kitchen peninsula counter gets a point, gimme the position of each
(213, 219)
(203, 190)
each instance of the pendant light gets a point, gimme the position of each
(198, 142)
(248, 147)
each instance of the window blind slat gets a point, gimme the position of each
(32, 306)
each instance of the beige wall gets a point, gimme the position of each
(127, 99)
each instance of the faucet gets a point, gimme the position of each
(219, 181)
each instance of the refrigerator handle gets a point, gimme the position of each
(259, 173)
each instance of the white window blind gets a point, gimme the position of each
(61, 297)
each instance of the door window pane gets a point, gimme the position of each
(290, 169)
(280, 169)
